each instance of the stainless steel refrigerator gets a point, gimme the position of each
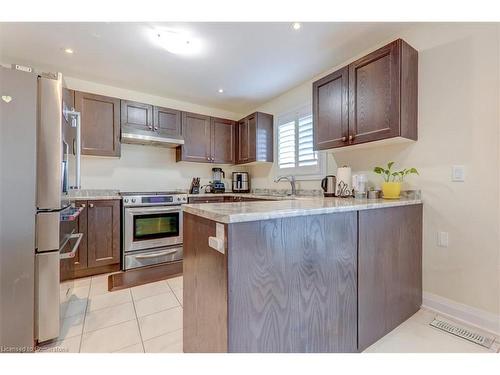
(37, 158)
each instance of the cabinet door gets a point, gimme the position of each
(167, 121)
(100, 124)
(331, 110)
(137, 116)
(308, 264)
(80, 259)
(103, 239)
(79, 262)
(252, 137)
(374, 95)
(196, 134)
(242, 141)
(223, 141)
(205, 199)
(389, 270)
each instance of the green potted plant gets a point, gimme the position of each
(391, 188)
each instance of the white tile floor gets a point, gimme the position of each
(148, 318)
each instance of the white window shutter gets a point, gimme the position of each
(286, 145)
(294, 146)
(306, 155)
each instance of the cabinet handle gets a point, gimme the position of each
(91, 205)
(344, 139)
(82, 205)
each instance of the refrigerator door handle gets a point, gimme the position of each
(75, 118)
(73, 251)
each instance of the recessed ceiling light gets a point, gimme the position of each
(221, 91)
(68, 50)
(177, 42)
(296, 25)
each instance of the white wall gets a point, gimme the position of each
(145, 167)
(458, 125)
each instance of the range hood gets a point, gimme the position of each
(151, 140)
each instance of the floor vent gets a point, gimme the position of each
(464, 333)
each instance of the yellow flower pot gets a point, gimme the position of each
(391, 190)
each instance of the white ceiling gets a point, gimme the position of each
(252, 62)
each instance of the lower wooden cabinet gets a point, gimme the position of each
(389, 270)
(103, 239)
(99, 250)
(215, 199)
(335, 282)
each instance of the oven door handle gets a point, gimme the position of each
(156, 255)
(152, 210)
(73, 251)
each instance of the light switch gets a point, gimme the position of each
(458, 173)
(442, 239)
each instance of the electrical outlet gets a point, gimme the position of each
(442, 239)
(458, 173)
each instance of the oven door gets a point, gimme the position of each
(150, 227)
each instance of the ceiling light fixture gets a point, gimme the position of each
(68, 51)
(221, 91)
(296, 25)
(177, 42)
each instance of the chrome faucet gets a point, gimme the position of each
(290, 179)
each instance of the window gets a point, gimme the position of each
(294, 145)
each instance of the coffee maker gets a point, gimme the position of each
(217, 176)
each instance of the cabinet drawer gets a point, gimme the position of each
(151, 257)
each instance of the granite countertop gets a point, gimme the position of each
(287, 207)
(94, 194)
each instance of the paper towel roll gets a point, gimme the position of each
(344, 182)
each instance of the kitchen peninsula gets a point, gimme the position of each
(299, 275)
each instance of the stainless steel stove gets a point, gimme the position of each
(152, 228)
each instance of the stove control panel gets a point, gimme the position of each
(154, 200)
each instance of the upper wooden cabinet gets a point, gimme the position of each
(196, 134)
(148, 120)
(254, 138)
(167, 121)
(222, 140)
(138, 116)
(100, 124)
(371, 99)
(331, 110)
(206, 139)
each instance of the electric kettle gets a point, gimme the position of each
(328, 185)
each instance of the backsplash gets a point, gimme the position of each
(147, 168)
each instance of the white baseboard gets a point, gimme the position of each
(470, 315)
